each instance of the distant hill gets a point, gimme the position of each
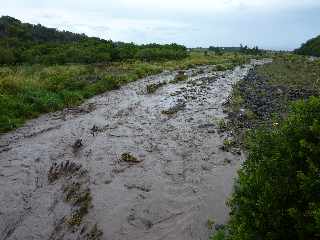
(14, 29)
(28, 43)
(311, 47)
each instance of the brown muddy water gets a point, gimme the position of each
(63, 175)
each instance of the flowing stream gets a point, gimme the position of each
(181, 177)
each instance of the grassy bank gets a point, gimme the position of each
(277, 115)
(265, 94)
(292, 71)
(29, 90)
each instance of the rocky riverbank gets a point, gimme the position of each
(255, 101)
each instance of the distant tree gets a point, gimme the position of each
(216, 50)
(311, 47)
(28, 43)
(7, 56)
(253, 51)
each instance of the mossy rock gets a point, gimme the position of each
(129, 158)
(180, 77)
(152, 88)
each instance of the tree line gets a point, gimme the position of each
(242, 49)
(311, 47)
(28, 43)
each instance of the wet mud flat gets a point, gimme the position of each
(128, 164)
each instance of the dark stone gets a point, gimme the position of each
(219, 227)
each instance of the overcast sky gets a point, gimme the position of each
(272, 24)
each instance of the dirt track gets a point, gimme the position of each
(182, 177)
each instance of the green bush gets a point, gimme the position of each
(6, 56)
(27, 43)
(219, 235)
(29, 90)
(311, 47)
(277, 195)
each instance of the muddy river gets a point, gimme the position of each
(149, 165)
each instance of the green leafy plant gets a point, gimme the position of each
(311, 47)
(219, 235)
(179, 77)
(277, 193)
(129, 158)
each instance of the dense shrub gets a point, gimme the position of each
(311, 47)
(27, 43)
(277, 195)
(27, 91)
(7, 56)
(253, 51)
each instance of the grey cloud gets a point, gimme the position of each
(282, 24)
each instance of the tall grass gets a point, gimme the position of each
(293, 71)
(29, 90)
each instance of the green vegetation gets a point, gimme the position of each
(210, 223)
(311, 47)
(236, 101)
(129, 158)
(217, 50)
(242, 49)
(83, 203)
(174, 109)
(179, 77)
(228, 144)
(27, 43)
(35, 77)
(253, 51)
(152, 88)
(292, 71)
(222, 67)
(221, 124)
(75, 189)
(277, 193)
(29, 90)
(219, 235)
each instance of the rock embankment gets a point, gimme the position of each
(264, 98)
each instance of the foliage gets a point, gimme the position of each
(128, 157)
(292, 71)
(311, 47)
(219, 235)
(216, 50)
(153, 87)
(27, 43)
(277, 195)
(179, 77)
(253, 51)
(29, 90)
(210, 223)
(38, 87)
(242, 49)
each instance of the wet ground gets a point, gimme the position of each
(126, 164)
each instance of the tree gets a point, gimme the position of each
(311, 47)
(28, 43)
(7, 56)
